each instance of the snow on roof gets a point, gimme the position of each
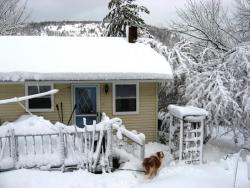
(182, 111)
(79, 58)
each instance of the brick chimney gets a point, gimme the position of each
(132, 34)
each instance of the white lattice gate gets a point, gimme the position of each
(186, 132)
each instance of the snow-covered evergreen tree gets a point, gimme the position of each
(123, 13)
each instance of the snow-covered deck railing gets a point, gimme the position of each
(49, 150)
(125, 136)
(89, 148)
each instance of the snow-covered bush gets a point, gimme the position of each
(212, 71)
(211, 79)
(183, 61)
(223, 88)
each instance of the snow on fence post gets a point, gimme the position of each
(170, 132)
(81, 141)
(201, 140)
(109, 152)
(50, 145)
(142, 154)
(13, 146)
(181, 140)
(26, 145)
(98, 150)
(91, 159)
(61, 147)
(34, 144)
(42, 144)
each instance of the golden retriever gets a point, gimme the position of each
(152, 164)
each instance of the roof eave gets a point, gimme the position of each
(86, 81)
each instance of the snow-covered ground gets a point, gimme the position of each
(215, 172)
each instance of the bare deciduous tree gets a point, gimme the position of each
(12, 15)
(207, 22)
(242, 17)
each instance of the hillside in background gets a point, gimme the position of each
(86, 29)
(64, 28)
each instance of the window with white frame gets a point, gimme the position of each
(40, 104)
(126, 98)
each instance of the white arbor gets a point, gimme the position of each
(186, 132)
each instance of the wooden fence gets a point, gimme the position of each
(89, 148)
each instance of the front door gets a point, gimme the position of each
(85, 99)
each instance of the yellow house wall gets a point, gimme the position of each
(145, 121)
(10, 112)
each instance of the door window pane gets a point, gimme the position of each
(85, 100)
(86, 104)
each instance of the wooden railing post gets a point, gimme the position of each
(181, 140)
(34, 144)
(142, 155)
(61, 147)
(13, 148)
(109, 148)
(170, 133)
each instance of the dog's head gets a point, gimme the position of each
(160, 154)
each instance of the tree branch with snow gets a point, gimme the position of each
(12, 16)
(224, 91)
(206, 22)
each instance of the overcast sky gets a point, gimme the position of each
(162, 11)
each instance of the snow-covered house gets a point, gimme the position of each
(93, 75)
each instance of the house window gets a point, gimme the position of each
(126, 98)
(40, 104)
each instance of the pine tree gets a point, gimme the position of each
(123, 13)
